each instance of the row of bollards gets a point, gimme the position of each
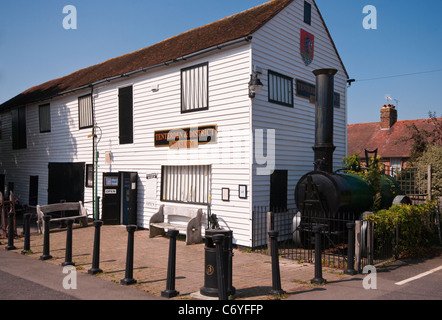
(223, 272)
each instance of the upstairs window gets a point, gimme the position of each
(307, 12)
(44, 112)
(19, 128)
(280, 89)
(125, 112)
(195, 88)
(85, 112)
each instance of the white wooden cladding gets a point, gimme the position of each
(187, 184)
(219, 86)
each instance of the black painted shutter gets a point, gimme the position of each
(125, 111)
(278, 190)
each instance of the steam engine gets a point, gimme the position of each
(329, 193)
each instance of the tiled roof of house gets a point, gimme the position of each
(232, 28)
(389, 142)
(222, 31)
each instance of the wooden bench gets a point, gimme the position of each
(62, 207)
(188, 220)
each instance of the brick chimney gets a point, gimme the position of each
(388, 116)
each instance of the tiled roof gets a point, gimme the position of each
(231, 28)
(389, 142)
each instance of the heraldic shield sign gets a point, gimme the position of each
(307, 46)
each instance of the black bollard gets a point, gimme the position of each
(96, 255)
(318, 279)
(11, 234)
(276, 275)
(27, 231)
(46, 255)
(222, 285)
(170, 291)
(68, 255)
(128, 280)
(351, 250)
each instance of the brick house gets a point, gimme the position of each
(387, 136)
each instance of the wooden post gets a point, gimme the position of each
(269, 228)
(358, 247)
(429, 182)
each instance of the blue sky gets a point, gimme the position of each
(35, 48)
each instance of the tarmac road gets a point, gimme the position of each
(400, 280)
(22, 278)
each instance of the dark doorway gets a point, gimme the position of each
(278, 190)
(33, 191)
(66, 182)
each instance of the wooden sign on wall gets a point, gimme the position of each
(186, 137)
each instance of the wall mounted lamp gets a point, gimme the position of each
(255, 85)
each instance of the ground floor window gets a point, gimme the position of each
(188, 184)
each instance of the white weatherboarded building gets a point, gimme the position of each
(180, 115)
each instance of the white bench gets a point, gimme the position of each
(61, 207)
(188, 220)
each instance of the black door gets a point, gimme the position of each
(66, 182)
(278, 190)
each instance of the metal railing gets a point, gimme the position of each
(296, 238)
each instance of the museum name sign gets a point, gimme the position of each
(186, 137)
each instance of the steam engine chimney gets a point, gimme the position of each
(324, 146)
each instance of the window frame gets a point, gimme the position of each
(270, 89)
(207, 191)
(183, 71)
(40, 107)
(80, 127)
(19, 138)
(89, 168)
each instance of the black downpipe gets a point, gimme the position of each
(324, 146)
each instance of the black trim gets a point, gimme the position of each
(125, 115)
(270, 72)
(19, 128)
(307, 13)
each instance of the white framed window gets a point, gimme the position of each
(85, 112)
(195, 88)
(188, 184)
(280, 89)
(44, 112)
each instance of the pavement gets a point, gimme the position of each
(252, 272)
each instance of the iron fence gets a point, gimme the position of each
(296, 238)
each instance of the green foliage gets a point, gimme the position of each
(433, 156)
(423, 138)
(372, 175)
(415, 225)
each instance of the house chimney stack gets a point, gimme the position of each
(388, 116)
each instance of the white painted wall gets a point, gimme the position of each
(276, 47)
